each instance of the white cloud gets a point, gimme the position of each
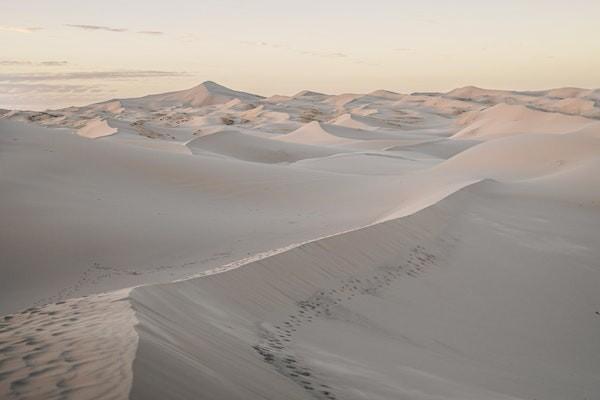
(19, 29)
(155, 33)
(96, 28)
(20, 63)
(84, 75)
(24, 88)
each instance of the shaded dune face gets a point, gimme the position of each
(215, 244)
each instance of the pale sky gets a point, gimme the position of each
(73, 52)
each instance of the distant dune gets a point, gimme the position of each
(505, 120)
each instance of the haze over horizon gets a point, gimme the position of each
(63, 53)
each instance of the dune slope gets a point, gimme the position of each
(251, 148)
(390, 310)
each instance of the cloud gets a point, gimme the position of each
(53, 63)
(250, 43)
(314, 53)
(19, 29)
(155, 33)
(20, 63)
(369, 63)
(42, 96)
(269, 44)
(325, 54)
(16, 63)
(84, 75)
(111, 29)
(96, 28)
(190, 38)
(25, 88)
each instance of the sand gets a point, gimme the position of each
(216, 244)
(96, 128)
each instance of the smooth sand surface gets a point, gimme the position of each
(214, 244)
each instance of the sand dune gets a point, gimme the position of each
(364, 163)
(251, 148)
(96, 128)
(474, 93)
(571, 101)
(440, 148)
(530, 155)
(79, 348)
(215, 244)
(310, 93)
(350, 121)
(358, 284)
(314, 133)
(321, 134)
(411, 298)
(386, 94)
(146, 204)
(504, 120)
(205, 94)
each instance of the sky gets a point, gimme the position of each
(72, 52)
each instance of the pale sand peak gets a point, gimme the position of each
(386, 94)
(205, 94)
(96, 128)
(309, 93)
